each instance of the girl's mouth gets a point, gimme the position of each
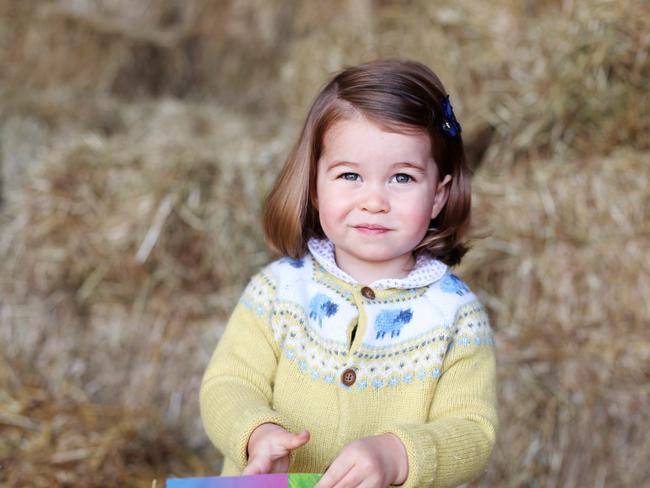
(371, 229)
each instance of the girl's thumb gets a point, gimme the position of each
(297, 440)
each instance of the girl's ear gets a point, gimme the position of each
(441, 196)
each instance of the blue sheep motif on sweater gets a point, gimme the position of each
(320, 306)
(453, 284)
(296, 263)
(392, 321)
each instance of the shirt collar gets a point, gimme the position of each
(426, 270)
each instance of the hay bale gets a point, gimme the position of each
(565, 275)
(220, 49)
(63, 439)
(568, 79)
(97, 47)
(533, 81)
(124, 254)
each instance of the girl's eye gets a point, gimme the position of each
(349, 176)
(403, 178)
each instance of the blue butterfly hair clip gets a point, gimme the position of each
(450, 126)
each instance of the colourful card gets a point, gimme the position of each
(282, 480)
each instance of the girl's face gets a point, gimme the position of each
(376, 192)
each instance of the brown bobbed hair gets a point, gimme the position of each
(400, 96)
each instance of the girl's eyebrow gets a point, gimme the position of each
(335, 164)
(400, 164)
(409, 164)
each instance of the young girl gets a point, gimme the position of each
(358, 354)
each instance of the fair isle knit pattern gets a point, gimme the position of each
(421, 349)
(403, 340)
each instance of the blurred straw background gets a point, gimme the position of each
(137, 140)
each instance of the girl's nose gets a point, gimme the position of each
(374, 200)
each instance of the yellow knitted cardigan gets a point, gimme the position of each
(421, 349)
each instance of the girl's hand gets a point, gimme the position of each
(268, 449)
(371, 462)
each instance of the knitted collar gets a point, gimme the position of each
(426, 270)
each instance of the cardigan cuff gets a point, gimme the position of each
(421, 454)
(250, 420)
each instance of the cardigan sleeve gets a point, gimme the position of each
(236, 391)
(453, 447)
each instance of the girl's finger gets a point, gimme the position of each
(250, 470)
(257, 466)
(294, 441)
(334, 474)
(352, 479)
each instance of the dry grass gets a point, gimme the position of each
(530, 81)
(565, 274)
(124, 255)
(64, 439)
(571, 82)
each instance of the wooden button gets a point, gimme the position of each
(368, 293)
(348, 377)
